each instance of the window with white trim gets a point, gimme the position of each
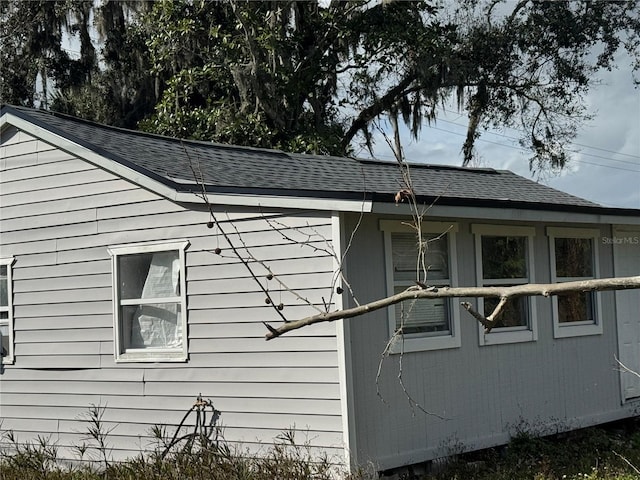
(427, 324)
(6, 310)
(504, 257)
(574, 257)
(149, 291)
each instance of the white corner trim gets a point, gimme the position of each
(343, 340)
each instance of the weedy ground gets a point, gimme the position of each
(611, 452)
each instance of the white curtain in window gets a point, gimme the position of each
(158, 324)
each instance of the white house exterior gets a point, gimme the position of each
(112, 294)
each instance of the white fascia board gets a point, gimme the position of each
(622, 220)
(88, 155)
(311, 203)
(276, 201)
(510, 214)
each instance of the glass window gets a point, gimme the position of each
(426, 316)
(425, 323)
(576, 307)
(149, 281)
(573, 258)
(504, 258)
(6, 310)
(514, 314)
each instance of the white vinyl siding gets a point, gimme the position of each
(504, 257)
(574, 256)
(477, 393)
(426, 324)
(59, 232)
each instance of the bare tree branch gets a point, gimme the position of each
(487, 322)
(507, 293)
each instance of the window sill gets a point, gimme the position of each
(422, 344)
(513, 336)
(579, 329)
(151, 357)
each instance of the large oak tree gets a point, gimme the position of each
(314, 76)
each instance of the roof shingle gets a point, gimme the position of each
(226, 168)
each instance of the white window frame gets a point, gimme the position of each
(588, 327)
(153, 355)
(10, 357)
(421, 342)
(498, 336)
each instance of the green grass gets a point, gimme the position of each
(603, 453)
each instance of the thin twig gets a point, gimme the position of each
(198, 175)
(487, 322)
(635, 469)
(626, 369)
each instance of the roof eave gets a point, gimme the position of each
(506, 210)
(182, 191)
(175, 191)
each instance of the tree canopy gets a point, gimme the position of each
(310, 76)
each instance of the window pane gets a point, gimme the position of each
(4, 330)
(4, 297)
(574, 257)
(575, 307)
(504, 257)
(149, 275)
(514, 314)
(427, 315)
(406, 264)
(151, 326)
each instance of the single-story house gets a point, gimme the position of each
(118, 290)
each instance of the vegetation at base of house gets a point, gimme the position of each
(284, 460)
(598, 453)
(610, 452)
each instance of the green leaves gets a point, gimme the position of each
(312, 77)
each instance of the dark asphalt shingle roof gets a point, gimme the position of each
(237, 169)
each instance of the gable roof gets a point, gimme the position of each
(236, 170)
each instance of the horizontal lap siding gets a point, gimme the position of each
(478, 395)
(58, 216)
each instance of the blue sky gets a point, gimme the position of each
(606, 164)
